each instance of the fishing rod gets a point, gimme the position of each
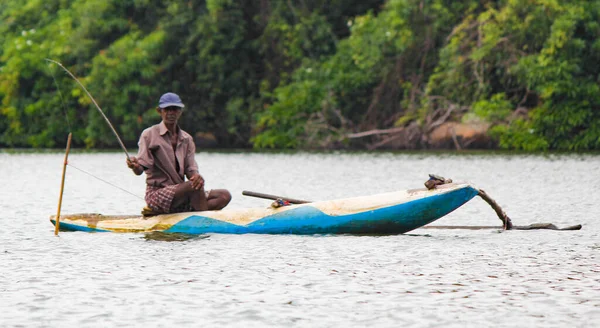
(95, 103)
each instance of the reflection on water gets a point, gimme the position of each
(426, 278)
(162, 236)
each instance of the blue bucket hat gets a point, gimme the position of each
(170, 99)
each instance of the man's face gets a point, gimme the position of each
(170, 115)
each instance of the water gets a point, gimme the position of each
(427, 278)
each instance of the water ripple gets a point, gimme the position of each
(449, 278)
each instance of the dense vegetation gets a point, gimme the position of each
(303, 73)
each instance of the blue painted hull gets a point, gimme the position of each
(308, 220)
(407, 214)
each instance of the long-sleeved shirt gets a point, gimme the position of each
(163, 165)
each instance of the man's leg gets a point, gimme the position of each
(197, 198)
(218, 199)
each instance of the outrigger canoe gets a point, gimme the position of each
(387, 213)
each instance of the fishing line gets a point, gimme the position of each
(70, 128)
(62, 99)
(95, 103)
(107, 182)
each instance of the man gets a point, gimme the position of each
(166, 153)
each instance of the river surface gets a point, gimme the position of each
(426, 278)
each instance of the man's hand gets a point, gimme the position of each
(197, 181)
(133, 164)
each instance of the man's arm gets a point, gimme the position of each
(133, 164)
(144, 158)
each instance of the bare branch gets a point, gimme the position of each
(374, 132)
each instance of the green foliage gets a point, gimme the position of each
(128, 53)
(124, 75)
(336, 84)
(519, 135)
(539, 55)
(301, 74)
(497, 109)
(564, 76)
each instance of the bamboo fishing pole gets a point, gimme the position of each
(62, 185)
(95, 103)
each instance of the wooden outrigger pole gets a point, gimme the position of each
(62, 185)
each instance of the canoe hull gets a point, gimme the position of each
(378, 214)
